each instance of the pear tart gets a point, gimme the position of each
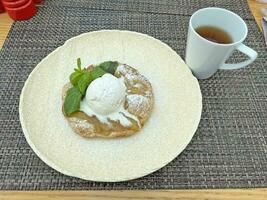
(116, 102)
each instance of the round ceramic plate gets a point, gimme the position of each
(168, 131)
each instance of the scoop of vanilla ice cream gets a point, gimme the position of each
(106, 94)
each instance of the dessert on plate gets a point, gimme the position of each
(110, 99)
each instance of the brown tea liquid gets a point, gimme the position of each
(214, 34)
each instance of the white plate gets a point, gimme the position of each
(173, 122)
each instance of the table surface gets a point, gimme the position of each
(215, 194)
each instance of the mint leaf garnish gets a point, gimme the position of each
(72, 101)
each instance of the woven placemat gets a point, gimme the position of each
(229, 149)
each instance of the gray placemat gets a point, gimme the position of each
(229, 149)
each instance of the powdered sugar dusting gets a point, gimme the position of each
(121, 69)
(82, 124)
(137, 100)
(138, 104)
(130, 74)
(138, 85)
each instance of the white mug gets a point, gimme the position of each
(205, 57)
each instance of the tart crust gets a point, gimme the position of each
(138, 101)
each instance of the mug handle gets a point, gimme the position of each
(245, 50)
